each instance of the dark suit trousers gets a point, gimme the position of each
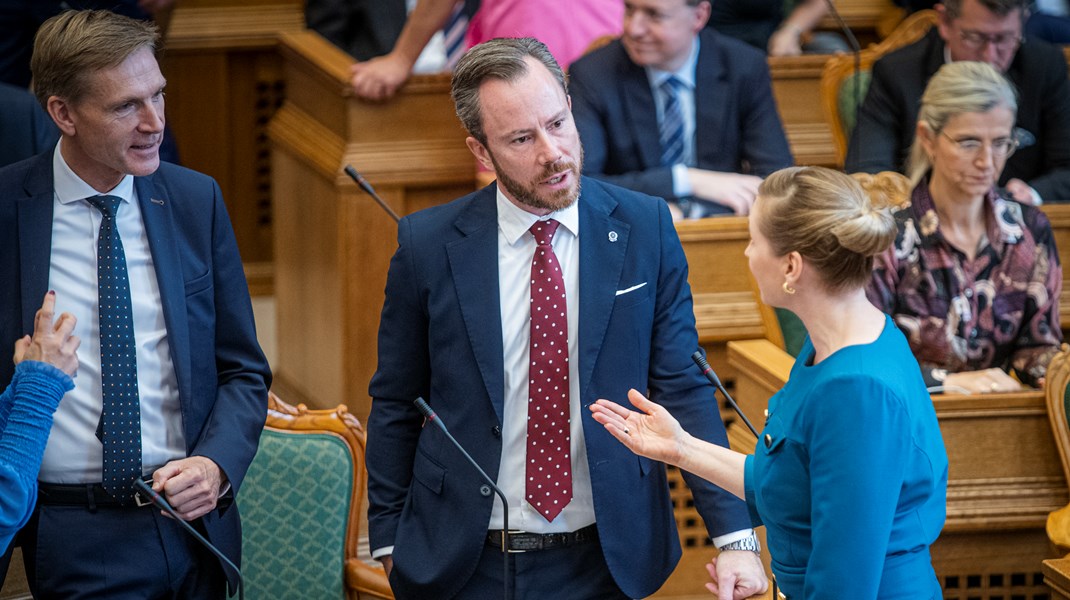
(116, 553)
(573, 573)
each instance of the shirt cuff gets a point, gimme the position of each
(379, 553)
(1037, 200)
(681, 183)
(735, 536)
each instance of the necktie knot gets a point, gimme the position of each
(107, 205)
(671, 86)
(544, 231)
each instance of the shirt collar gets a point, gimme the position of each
(685, 74)
(1004, 223)
(514, 221)
(72, 188)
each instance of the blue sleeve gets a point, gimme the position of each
(858, 435)
(33, 397)
(678, 385)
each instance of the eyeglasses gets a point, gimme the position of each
(971, 147)
(975, 40)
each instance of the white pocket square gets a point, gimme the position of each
(631, 289)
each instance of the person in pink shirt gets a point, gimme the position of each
(567, 27)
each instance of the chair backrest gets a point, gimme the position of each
(300, 503)
(782, 327)
(839, 82)
(1057, 396)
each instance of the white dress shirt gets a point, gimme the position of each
(516, 246)
(74, 454)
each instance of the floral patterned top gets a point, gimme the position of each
(1000, 309)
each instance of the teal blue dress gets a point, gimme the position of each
(850, 476)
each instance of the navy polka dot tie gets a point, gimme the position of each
(549, 463)
(120, 423)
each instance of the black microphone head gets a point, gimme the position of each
(351, 172)
(425, 409)
(699, 359)
(707, 370)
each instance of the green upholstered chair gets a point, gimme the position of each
(838, 79)
(301, 509)
(1057, 394)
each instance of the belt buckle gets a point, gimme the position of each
(505, 542)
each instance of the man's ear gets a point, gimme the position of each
(480, 152)
(60, 111)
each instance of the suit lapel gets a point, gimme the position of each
(711, 103)
(474, 265)
(641, 113)
(35, 237)
(158, 216)
(603, 246)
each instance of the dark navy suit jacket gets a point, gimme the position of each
(25, 128)
(440, 338)
(223, 376)
(737, 128)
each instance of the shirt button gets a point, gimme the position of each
(969, 292)
(768, 441)
(484, 490)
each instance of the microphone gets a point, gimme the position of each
(159, 502)
(368, 189)
(857, 50)
(431, 417)
(707, 370)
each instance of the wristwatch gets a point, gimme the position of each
(748, 543)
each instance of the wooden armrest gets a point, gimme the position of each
(366, 579)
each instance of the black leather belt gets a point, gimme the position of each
(522, 541)
(90, 495)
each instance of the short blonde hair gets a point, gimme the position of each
(829, 219)
(957, 88)
(73, 45)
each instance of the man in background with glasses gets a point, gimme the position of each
(981, 30)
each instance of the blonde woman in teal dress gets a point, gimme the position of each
(850, 474)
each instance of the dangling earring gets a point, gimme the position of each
(787, 288)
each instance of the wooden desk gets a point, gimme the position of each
(797, 89)
(1057, 577)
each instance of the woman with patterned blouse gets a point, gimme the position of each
(973, 279)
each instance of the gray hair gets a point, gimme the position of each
(1001, 8)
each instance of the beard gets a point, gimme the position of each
(527, 194)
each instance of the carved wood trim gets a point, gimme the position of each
(231, 27)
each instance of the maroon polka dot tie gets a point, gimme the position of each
(549, 462)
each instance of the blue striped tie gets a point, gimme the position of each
(672, 123)
(120, 422)
(454, 35)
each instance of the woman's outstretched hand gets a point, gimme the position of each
(651, 432)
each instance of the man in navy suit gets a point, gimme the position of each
(509, 335)
(199, 396)
(731, 133)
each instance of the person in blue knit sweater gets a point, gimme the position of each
(44, 366)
